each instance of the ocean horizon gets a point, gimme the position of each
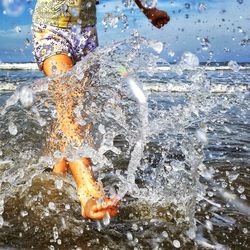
(161, 67)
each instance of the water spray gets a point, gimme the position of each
(137, 153)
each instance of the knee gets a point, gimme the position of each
(57, 64)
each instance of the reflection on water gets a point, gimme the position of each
(175, 162)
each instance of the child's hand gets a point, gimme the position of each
(97, 211)
(157, 17)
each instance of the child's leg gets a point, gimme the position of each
(61, 166)
(56, 65)
(84, 178)
(90, 191)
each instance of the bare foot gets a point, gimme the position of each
(95, 205)
(93, 209)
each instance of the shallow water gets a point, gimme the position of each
(175, 162)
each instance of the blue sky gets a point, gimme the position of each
(214, 29)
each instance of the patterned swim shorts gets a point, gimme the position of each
(75, 42)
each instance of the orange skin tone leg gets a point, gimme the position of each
(62, 62)
(89, 190)
(61, 166)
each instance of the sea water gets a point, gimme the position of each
(172, 141)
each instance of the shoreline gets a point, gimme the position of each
(19, 66)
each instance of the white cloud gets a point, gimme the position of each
(19, 32)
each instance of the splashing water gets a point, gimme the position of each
(149, 3)
(152, 151)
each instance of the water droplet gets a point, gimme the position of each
(209, 225)
(52, 205)
(110, 20)
(243, 197)
(189, 60)
(1, 221)
(227, 129)
(240, 189)
(201, 135)
(99, 226)
(171, 53)
(101, 129)
(137, 91)
(234, 66)
(67, 206)
(187, 6)
(245, 42)
(26, 97)
(210, 193)
(65, 9)
(75, 11)
(14, 7)
(55, 233)
(205, 43)
(76, 28)
(106, 220)
(224, 184)
(54, 68)
(134, 227)
(176, 244)
(59, 184)
(240, 30)
(164, 234)
(240, 1)
(31, 11)
(129, 236)
(27, 42)
(232, 177)
(18, 29)
(88, 5)
(127, 3)
(1, 206)
(24, 213)
(42, 122)
(156, 46)
(12, 128)
(202, 7)
(150, 3)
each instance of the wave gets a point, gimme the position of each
(7, 87)
(184, 88)
(162, 68)
(18, 66)
(207, 68)
(171, 88)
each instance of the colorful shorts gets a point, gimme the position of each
(75, 42)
